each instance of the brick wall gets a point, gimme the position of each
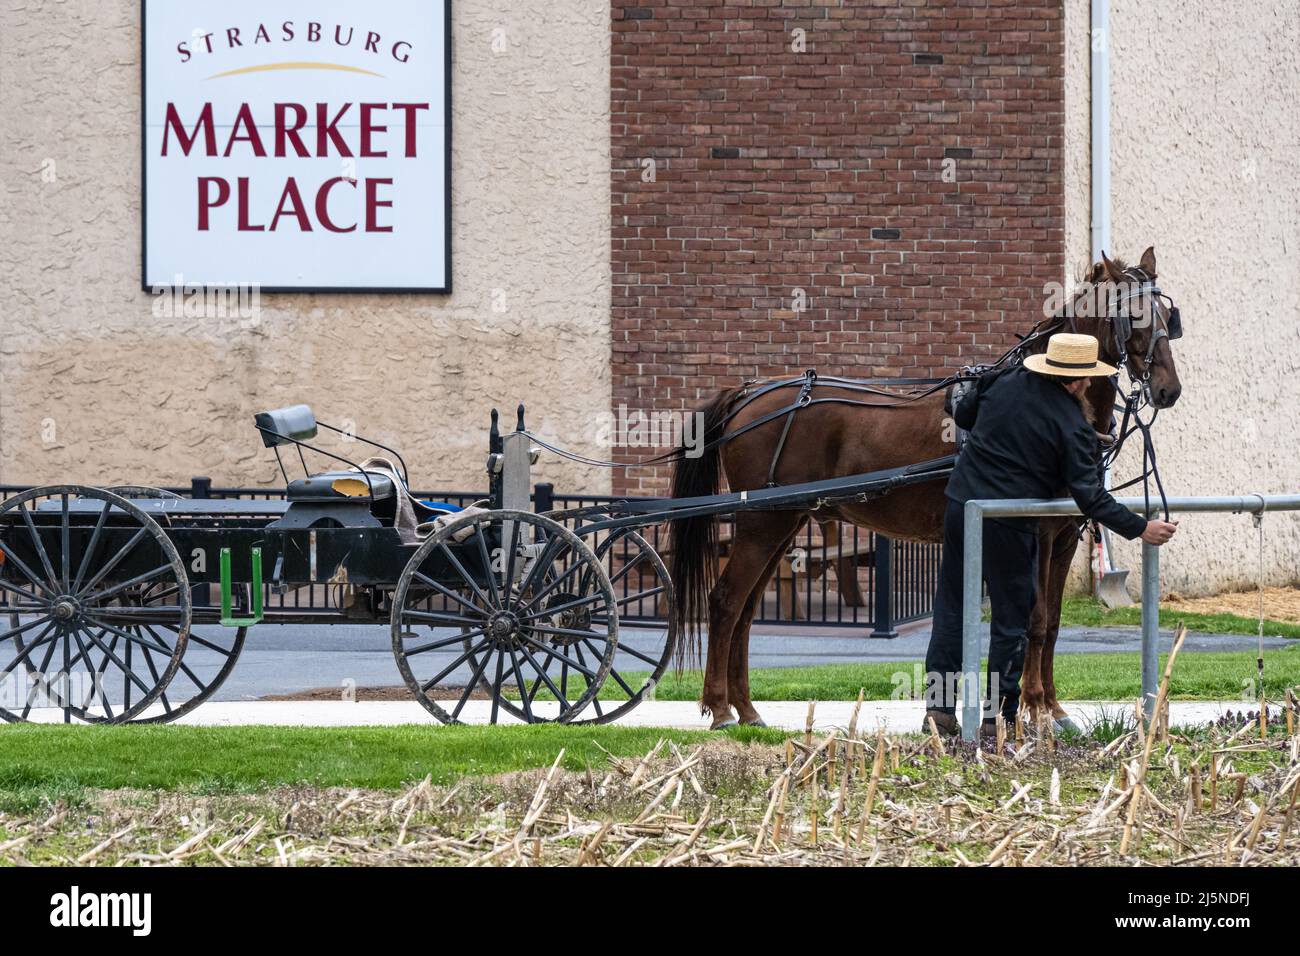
(823, 170)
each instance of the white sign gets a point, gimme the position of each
(297, 144)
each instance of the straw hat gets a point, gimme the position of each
(1069, 356)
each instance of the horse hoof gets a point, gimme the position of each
(756, 722)
(1064, 725)
(724, 725)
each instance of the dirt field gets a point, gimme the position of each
(1220, 796)
(1280, 604)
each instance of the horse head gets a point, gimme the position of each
(1134, 322)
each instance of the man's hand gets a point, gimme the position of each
(1158, 532)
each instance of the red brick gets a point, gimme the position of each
(846, 137)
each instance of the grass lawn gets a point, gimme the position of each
(45, 762)
(1197, 676)
(1089, 612)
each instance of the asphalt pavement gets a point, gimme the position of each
(290, 658)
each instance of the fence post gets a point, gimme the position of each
(971, 638)
(884, 616)
(1150, 628)
(200, 594)
(543, 497)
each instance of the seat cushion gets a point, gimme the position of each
(339, 484)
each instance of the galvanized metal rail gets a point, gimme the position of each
(972, 577)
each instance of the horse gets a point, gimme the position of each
(835, 433)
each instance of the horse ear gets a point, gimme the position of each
(1114, 272)
(1148, 263)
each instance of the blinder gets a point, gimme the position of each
(1122, 319)
(1123, 328)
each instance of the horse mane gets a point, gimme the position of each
(1095, 270)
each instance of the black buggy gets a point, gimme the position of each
(133, 604)
(103, 589)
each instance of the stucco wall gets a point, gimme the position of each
(94, 388)
(1204, 135)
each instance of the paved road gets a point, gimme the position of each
(284, 659)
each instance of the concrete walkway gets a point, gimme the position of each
(897, 716)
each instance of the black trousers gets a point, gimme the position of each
(1011, 573)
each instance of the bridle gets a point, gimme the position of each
(1167, 319)
(1168, 322)
(1169, 325)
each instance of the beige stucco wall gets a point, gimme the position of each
(1204, 133)
(94, 388)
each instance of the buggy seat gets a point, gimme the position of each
(332, 485)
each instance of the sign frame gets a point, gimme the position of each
(444, 289)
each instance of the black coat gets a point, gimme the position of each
(1029, 439)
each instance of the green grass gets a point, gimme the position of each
(1207, 675)
(1089, 612)
(1201, 676)
(1109, 724)
(41, 763)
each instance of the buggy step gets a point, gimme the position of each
(227, 617)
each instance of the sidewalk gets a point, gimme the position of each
(897, 716)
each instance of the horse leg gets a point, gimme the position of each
(738, 670)
(755, 542)
(1032, 694)
(713, 697)
(1062, 557)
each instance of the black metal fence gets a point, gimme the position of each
(834, 575)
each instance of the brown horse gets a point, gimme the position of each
(828, 440)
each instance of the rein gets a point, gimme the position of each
(1139, 396)
(1138, 399)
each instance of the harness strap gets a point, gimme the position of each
(752, 390)
(805, 393)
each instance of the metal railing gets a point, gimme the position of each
(973, 575)
(835, 575)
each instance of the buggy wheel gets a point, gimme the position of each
(195, 680)
(641, 584)
(205, 663)
(192, 684)
(488, 585)
(627, 559)
(208, 659)
(84, 646)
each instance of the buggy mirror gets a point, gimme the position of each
(283, 426)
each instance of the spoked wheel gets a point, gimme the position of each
(76, 639)
(205, 663)
(641, 582)
(209, 658)
(486, 591)
(193, 682)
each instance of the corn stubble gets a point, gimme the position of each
(843, 796)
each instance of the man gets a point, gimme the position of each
(1029, 438)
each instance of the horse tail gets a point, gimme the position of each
(693, 542)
